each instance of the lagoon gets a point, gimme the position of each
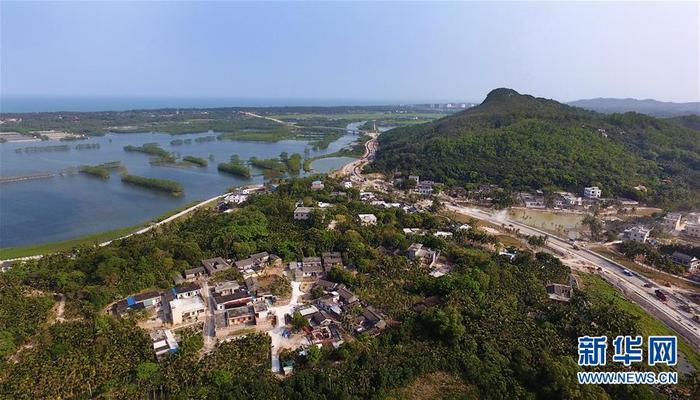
(68, 206)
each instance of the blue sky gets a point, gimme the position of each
(369, 51)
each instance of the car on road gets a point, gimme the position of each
(627, 272)
(661, 295)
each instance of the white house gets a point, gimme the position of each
(302, 213)
(368, 219)
(692, 229)
(592, 192)
(186, 309)
(638, 234)
(317, 185)
(672, 222)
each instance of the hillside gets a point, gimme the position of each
(648, 106)
(523, 142)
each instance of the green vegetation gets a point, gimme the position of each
(53, 247)
(650, 256)
(43, 149)
(152, 149)
(97, 171)
(271, 135)
(601, 291)
(21, 315)
(101, 171)
(489, 324)
(87, 146)
(271, 164)
(180, 142)
(196, 160)
(163, 185)
(204, 139)
(235, 167)
(522, 142)
(293, 163)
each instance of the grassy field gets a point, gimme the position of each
(53, 247)
(599, 288)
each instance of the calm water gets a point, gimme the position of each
(64, 207)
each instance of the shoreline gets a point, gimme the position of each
(103, 238)
(35, 251)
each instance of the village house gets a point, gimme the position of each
(638, 234)
(226, 287)
(139, 301)
(186, 290)
(369, 319)
(425, 255)
(560, 293)
(317, 185)
(326, 334)
(592, 192)
(194, 273)
(252, 284)
(319, 318)
(414, 231)
(531, 201)
(164, 343)
(302, 213)
(331, 259)
(686, 260)
(569, 200)
(215, 264)
(239, 316)
(330, 303)
(424, 188)
(692, 229)
(346, 296)
(306, 310)
(672, 222)
(367, 196)
(235, 299)
(347, 184)
(256, 262)
(186, 309)
(368, 219)
(311, 267)
(328, 286)
(443, 234)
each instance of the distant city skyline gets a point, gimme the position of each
(371, 53)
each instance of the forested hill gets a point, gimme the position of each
(522, 142)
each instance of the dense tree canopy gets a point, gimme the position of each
(489, 322)
(522, 142)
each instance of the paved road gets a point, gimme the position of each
(354, 169)
(209, 328)
(633, 287)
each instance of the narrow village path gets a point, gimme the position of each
(276, 333)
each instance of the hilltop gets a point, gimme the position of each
(523, 143)
(651, 107)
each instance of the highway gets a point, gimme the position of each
(354, 169)
(635, 287)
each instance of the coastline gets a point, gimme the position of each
(105, 237)
(100, 238)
